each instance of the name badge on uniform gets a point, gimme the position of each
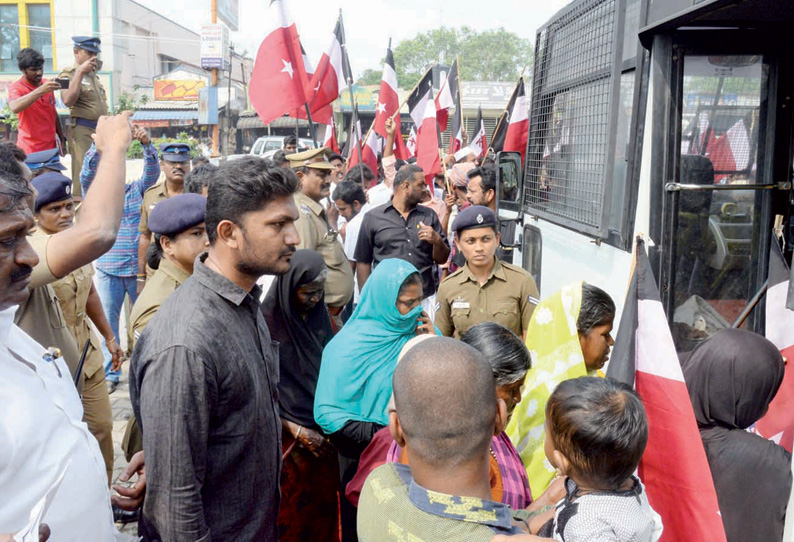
(306, 209)
(460, 304)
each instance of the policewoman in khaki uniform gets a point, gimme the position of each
(86, 100)
(54, 212)
(484, 289)
(175, 165)
(314, 171)
(180, 236)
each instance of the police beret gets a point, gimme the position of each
(88, 43)
(476, 216)
(44, 159)
(313, 158)
(175, 152)
(177, 214)
(51, 187)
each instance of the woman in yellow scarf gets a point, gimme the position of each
(569, 336)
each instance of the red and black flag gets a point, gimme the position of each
(512, 130)
(778, 423)
(330, 140)
(418, 98)
(388, 100)
(448, 96)
(279, 82)
(674, 468)
(478, 143)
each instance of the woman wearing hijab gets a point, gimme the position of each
(354, 385)
(299, 321)
(569, 336)
(732, 377)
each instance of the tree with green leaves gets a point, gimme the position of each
(488, 55)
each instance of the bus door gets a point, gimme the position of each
(719, 205)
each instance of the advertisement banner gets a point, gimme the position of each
(214, 46)
(181, 90)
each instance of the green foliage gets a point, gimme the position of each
(370, 77)
(130, 101)
(136, 149)
(9, 117)
(490, 55)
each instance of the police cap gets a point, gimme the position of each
(313, 158)
(177, 214)
(88, 43)
(476, 216)
(51, 187)
(44, 159)
(175, 152)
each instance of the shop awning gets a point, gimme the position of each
(253, 122)
(165, 114)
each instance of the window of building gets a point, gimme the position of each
(25, 23)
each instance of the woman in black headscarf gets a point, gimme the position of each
(732, 377)
(299, 320)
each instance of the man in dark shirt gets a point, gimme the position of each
(404, 229)
(205, 373)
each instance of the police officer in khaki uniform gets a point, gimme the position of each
(180, 236)
(81, 306)
(314, 171)
(175, 164)
(485, 289)
(86, 100)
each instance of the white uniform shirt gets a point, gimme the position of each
(41, 436)
(351, 238)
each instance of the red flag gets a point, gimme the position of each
(512, 132)
(427, 156)
(388, 100)
(410, 144)
(279, 79)
(353, 143)
(401, 151)
(674, 468)
(447, 96)
(330, 137)
(369, 153)
(322, 115)
(478, 143)
(777, 424)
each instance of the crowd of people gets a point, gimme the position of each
(397, 379)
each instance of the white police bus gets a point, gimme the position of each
(671, 119)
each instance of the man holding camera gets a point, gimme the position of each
(86, 99)
(32, 99)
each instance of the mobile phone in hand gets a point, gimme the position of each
(63, 83)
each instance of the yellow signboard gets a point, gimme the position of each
(177, 90)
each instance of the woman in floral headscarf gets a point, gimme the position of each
(569, 336)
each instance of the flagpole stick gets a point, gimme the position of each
(444, 168)
(311, 124)
(349, 79)
(358, 143)
(412, 91)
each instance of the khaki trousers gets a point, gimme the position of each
(98, 417)
(79, 143)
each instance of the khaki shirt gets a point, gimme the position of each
(40, 315)
(317, 235)
(165, 280)
(508, 297)
(92, 102)
(72, 293)
(151, 197)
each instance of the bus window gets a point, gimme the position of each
(717, 230)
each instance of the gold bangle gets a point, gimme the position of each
(112, 340)
(297, 436)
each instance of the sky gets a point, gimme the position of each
(368, 23)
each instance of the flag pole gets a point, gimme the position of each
(354, 110)
(412, 91)
(311, 124)
(444, 168)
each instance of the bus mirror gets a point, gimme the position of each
(509, 180)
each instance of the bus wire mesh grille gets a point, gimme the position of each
(570, 116)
